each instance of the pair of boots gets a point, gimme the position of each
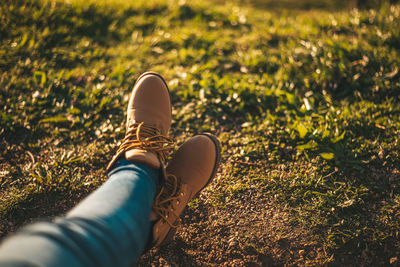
(146, 141)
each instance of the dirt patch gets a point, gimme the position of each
(251, 231)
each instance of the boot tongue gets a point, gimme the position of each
(143, 156)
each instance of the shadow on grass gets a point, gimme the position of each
(36, 206)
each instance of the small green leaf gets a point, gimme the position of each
(55, 119)
(23, 40)
(327, 156)
(310, 145)
(42, 76)
(302, 130)
(74, 111)
(291, 98)
(338, 138)
(104, 102)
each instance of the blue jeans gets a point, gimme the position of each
(109, 228)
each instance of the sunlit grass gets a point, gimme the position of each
(305, 104)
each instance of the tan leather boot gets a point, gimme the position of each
(148, 121)
(190, 170)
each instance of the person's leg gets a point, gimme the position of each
(109, 228)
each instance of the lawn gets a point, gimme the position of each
(305, 102)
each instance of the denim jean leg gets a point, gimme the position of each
(108, 228)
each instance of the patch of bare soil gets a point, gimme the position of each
(251, 231)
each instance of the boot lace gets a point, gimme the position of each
(169, 193)
(146, 137)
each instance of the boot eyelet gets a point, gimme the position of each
(182, 193)
(178, 202)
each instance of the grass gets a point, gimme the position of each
(305, 104)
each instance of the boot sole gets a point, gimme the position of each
(217, 160)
